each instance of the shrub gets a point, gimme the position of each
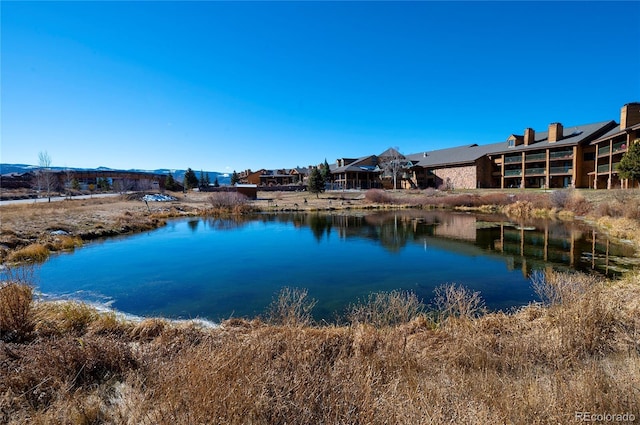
(578, 205)
(495, 199)
(378, 196)
(560, 198)
(609, 209)
(385, 309)
(554, 288)
(453, 300)
(291, 308)
(632, 208)
(232, 202)
(16, 322)
(537, 200)
(519, 209)
(625, 205)
(430, 191)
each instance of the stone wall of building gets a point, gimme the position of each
(457, 177)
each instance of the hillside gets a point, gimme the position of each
(223, 178)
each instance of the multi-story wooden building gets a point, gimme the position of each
(560, 157)
(610, 148)
(557, 158)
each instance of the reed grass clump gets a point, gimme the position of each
(35, 252)
(386, 309)
(66, 242)
(292, 307)
(456, 301)
(16, 321)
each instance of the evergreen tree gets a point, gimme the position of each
(629, 166)
(201, 182)
(315, 183)
(326, 172)
(103, 184)
(169, 182)
(235, 178)
(207, 180)
(190, 179)
(216, 183)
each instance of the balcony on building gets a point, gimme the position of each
(513, 173)
(619, 147)
(536, 157)
(567, 169)
(514, 159)
(565, 154)
(536, 171)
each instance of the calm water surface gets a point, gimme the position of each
(216, 269)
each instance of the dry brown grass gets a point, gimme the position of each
(35, 252)
(16, 321)
(541, 364)
(386, 309)
(29, 225)
(229, 203)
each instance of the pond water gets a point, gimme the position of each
(220, 268)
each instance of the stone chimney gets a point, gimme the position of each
(629, 115)
(555, 132)
(529, 136)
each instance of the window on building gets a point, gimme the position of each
(511, 142)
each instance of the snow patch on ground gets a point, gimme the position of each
(158, 198)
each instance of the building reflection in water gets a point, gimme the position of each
(528, 245)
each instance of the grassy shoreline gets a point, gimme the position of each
(390, 362)
(68, 363)
(32, 231)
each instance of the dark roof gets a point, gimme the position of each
(356, 166)
(391, 153)
(469, 153)
(453, 156)
(571, 136)
(614, 132)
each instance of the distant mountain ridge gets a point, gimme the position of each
(223, 178)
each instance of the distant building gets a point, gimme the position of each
(279, 177)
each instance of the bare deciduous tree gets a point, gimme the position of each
(68, 181)
(393, 163)
(45, 178)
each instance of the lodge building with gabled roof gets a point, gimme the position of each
(581, 156)
(357, 173)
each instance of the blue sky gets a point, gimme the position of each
(229, 86)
